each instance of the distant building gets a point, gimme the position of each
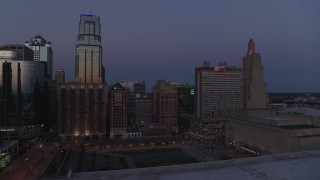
(133, 88)
(133, 133)
(118, 111)
(81, 109)
(265, 131)
(42, 52)
(88, 67)
(21, 52)
(218, 92)
(59, 76)
(165, 105)
(186, 104)
(254, 88)
(143, 109)
(138, 87)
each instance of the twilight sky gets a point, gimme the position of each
(153, 39)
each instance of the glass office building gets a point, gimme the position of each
(21, 92)
(88, 66)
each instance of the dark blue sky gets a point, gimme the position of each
(167, 39)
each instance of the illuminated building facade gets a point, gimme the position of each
(88, 66)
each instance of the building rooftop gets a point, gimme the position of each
(117, 86)
(299, 126)
(301, 165)
(303, 111)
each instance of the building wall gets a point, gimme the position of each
(218, 92)
(165, 105)
(118, 111)
(82, 109)
(259, 136)
(272, 138)
(132, 135)
(134, 88)
(168, 109)
(143, 112)
(88, 66)
(60, 76)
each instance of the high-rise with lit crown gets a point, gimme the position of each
(88, 66)
(254, 88)
(82, 103)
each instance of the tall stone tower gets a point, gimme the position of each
(254, 88)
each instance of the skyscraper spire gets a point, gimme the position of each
(251, 47)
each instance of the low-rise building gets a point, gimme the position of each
(81, 109)
(154, 130)
(287, 130)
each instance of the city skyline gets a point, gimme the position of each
(167, 40)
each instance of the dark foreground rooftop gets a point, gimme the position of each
(301, 165)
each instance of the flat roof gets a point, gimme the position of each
(301, 165)
(303, 110)
(276, 118)
(299, 126)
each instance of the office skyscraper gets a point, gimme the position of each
(82, 104)
(42, 52)
(218, 91)
(21, 89)
(88, 66)
(254, 88)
